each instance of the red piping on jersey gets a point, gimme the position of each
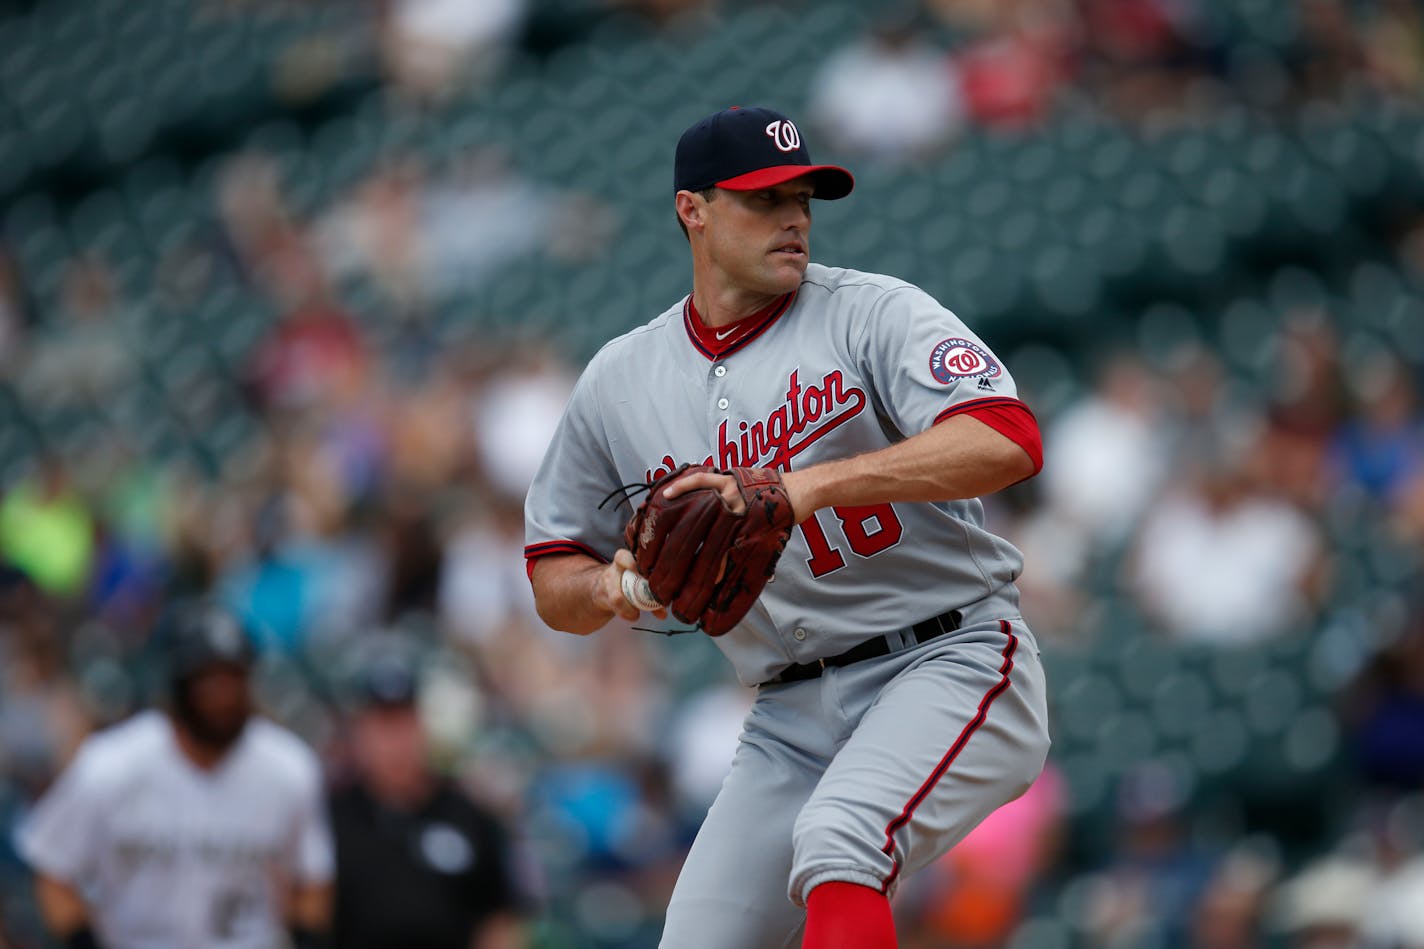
(704, 337)
(953, 752)
(552, 547)
(1010, 418)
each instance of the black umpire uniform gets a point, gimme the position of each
(427, 871)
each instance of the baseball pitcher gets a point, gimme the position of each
(808, 446)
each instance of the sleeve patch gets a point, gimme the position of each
(957, 358)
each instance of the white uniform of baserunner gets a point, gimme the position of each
(198, 827)
(172, 856)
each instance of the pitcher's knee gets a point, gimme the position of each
(831, 843)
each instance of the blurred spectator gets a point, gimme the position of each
(1379, 448)
(47, 531)
(889, 95)
(1203, 406)
(420, 865)
(484, 215)
(1369, 891)
(304, 577)
(1135, 56)
(315, 356)
(614, 820)
(1011, 72)
(515, 415)
(210, 528)
(134, 511)
(1307, 400)
(259, 232)
(1325, 905)
(1409, 512)
(420, 233)
(701, 741)
(1221, 559)
(1327, 54)
(411, 554)
(86, 349)
(221, 836)
(434, 47)
(1230, 913)
(1108, 452)
(377, 232)
(42, 716)
(483, 587)
(1384, 711)
(1157, 874)
(1393, 36)
(428, 431)
(1390, 832)
(1058, 555)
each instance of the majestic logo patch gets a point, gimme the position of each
(961, 359)
(786, 136)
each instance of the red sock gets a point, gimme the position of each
(848, 916)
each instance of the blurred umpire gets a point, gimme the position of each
(419, 864)
(198, 826)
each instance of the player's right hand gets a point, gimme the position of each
(609, 594)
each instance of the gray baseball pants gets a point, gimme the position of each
(862, 775)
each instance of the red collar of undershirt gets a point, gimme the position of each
(724, 340)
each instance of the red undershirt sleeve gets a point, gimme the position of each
(1010, 418)
(534, 551)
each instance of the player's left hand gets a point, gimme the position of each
(723, 484)
(707, 541)
(726, 486)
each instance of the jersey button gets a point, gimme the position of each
(720, 371)
(800, 633)
(721, 403)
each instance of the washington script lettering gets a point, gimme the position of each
(809, 413)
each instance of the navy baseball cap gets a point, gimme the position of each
(745, 149)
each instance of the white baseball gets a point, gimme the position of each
(637, 592)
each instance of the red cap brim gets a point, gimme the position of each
(832, 181)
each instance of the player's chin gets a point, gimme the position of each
(786, 271)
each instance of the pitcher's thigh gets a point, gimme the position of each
(945, 744)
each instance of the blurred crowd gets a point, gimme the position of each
(375, 489)
(926, 73)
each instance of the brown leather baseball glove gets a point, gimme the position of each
(705, 562)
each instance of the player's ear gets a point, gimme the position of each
(690, 208)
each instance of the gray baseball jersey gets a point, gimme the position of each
(852, 363)
(173, 857)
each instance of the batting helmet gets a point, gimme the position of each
(202, 634)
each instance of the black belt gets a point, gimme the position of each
(921, 632)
